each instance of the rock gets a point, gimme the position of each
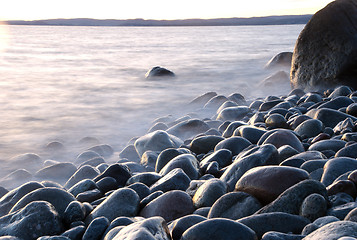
(337, 166)
(158, 71)
(156, 141)
(277, 221)
(84, 172)
(209, 192)
(281, 60)
(348, 151)
(107, 184)
(334, 230)
(39, 215)
(257, 156)
(219, 229)
(57, 172)
(187, 162)
(151, 228)
(3, 191)
(188, 129)
(176, 179)
(215, 102)
(341, 211)
(149, 198)
(234, 205)
(85, 156)
(12, 197)
(82, 186)
(233, 113)
(117, 171)
(252, 134)
(318, 223)
(329, 117)
(89, 196)
(58, 198)
(204, 144)
(234, 144)
(345, 186)
(226, 104)
(275, 120)
(103, 150)
(281, 236)
(313, 207)
(158, 126)
(130, 153)
(28, 161)
(202, 211)
(279, 78)
(149, 158)
(269, 105)
(148, 178)
(266, 183)
(166, 155)
(223, 157)
(179, 226)
(201, 100)
(330, 144)
(309, 128)
(171, 205)
(96, 228)
(75, 211)
(122, 202)
(141, 189)
(291, 199)
(94, 162)
(281, 137)
(75, 233)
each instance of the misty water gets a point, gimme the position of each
(66, 83)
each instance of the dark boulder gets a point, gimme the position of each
(159, 72)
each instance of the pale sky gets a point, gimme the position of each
(154, 9)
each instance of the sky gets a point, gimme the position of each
(154, 9)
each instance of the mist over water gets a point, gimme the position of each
(66, 83)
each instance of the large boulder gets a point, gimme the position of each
(325, 53)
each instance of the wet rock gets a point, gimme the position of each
(234, 205)
(159, 72)
(234, 144)
(348, 151)
(171, 205)
(89, 196)
(75, 211)
(281, 60)
(117, 171)
(188, 129)
(82, 186)
(329, 117)
(337, 166)
(148, 159)
(148, 178)
(151, 228)
(176, 179)
(204, 144)
(275, 120)
(257, 156)
(336, 103)
(281, 137)
(166, 155)
(233, 113)
(75, 233)
(223, 157)
(269, 105)
(149, 198)
(122, 202)
(187, 162)
(330, 144)
(277, 221)
(345, 186)
(96, 228)
(266, 183)
(156, 141)
(291, 199)
(39, 215)
(141, 189)
(84, 172)
(252, 134)
(107, 184)
(309, 128)
(313, 207)
(179, 226)
(219, 229)
(334, 230)
(209, 192)
(341, 211)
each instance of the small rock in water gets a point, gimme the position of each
(158, 72)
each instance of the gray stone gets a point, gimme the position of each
(85, 156)
(75, 233)
(148, 159)
(276, 221)
(149, 198)
(281, 137)
(313, 165)
(176, 179)
(334, 231)
(234, 144)
(82, 186)
(201, 100)
(234, 205)
(117, 171)
(281, 236)
(28, 161)
(159, 72)
(341, 211)
(275, 120)
(337, 166)
(93, 162)
(329, 117)
(229, 130)
(166, 155)
(141, 189)
(187, 162)
(16, 178)
(57, 172)
(96, 229)
(84, 172)
(209, 192)
(179, 226)
(130, 153)
(330, 144)
(148, 178)
(107, 184)
(39, 215)
(313, 207)
(103, 150)
(75, 211)
(204, 144)
(348, 151)
(281, 60)
(219, 229)
(188, 129)
(309, 128)
(223, 157)
(251, 133)
(233, 113)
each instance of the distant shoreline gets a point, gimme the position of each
(269, 20)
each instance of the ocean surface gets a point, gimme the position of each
(60, 83)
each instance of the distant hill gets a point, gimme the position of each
(270, 20)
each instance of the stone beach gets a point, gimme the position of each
(231, 168)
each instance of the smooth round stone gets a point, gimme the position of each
(256, 104)
(39, 214)
(96, 228)
(353, 176)
(237, 98)
(352, 109)
(187, 162)
(59, 198)
(269, 105)
(119, 221)
(28, 161)
(151, 228)
(219, 229)
(130, 153)
(215, 102)
(336, 103)
(226, 104)
(204, 144)
(92, 162)
(319, 137)
(334, 230)
(349, 137)
(348, 151)
(141, 189)
(340, 199)
(322, 221)
(89, 196)
(330, 144)
(313, 165)
(16, 178)
(167, 155)
(295, 162)
(234, 144)
(202, 211)
(148, 178)
(233, 113)
(203, 99)
(212, 132)
(345, 186)
(179, 226)
(84, 172)
(268, 182)
(158, 126)
(103, 150)
(329, 117)
(82, 186)
(340, 91)
(281, 137)
(272, 235)
(148, 159)
(213, 169)
(234, 205)
(257, 118)
(257, 156)
(75, 211)
(170, 205)
(85, 156)
(188, 129)
(135, 168)
(176, 179)
(313, 207)
(341, 211)
(74, 233)
(252, 134)
(309, 128)
(107, 184)
(336, 167)
(117, 171)
(296, 121)
(102, 167)
(223, 157)
(122, 202)
(150, 197)
(209, 192)
(156, 141)
(275, 120)
(277, 221)
(291, 199)
(159, 72)
(285, 152)
(56, 172)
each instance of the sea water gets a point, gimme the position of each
(63, 83)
